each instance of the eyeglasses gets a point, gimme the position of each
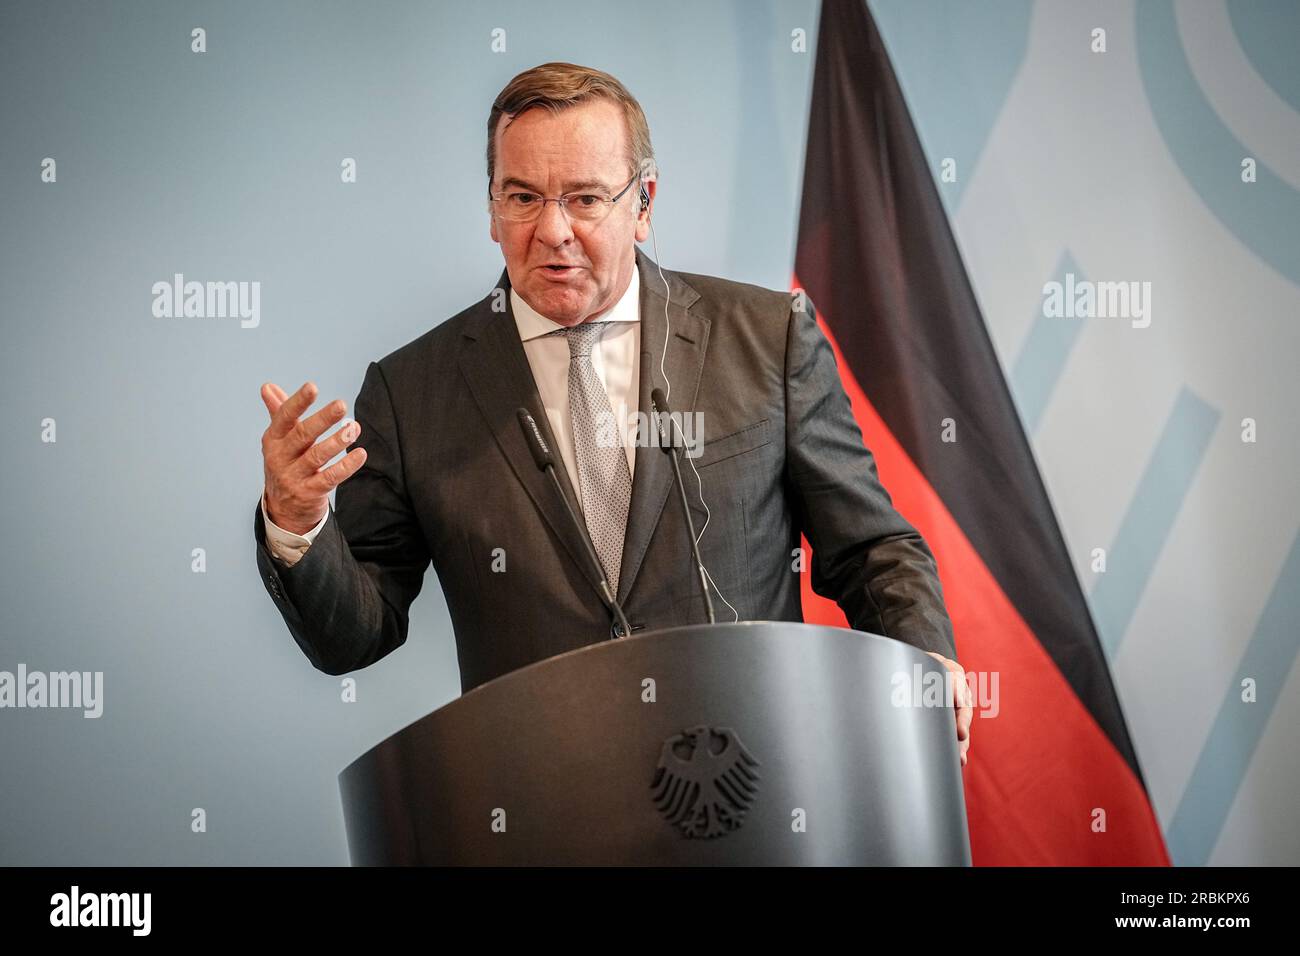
(524, 206)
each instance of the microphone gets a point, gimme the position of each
(659, 406)
(546, 462)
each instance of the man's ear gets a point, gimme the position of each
(643, 215)
(492, 219)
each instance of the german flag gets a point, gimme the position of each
(1052, 778)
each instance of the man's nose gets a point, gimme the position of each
(553, 225)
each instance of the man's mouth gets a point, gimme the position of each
(559, 273)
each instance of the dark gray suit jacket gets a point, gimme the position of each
(448, 479)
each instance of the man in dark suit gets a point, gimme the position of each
(580, 328)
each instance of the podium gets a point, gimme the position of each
(753, 743)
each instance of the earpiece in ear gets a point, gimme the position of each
(645, 199)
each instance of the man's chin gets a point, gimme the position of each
(566, 307)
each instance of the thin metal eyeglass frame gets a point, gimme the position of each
(563, 201)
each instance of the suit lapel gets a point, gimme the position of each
(683, 363)
(496, 370)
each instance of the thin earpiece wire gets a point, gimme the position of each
(668, 391)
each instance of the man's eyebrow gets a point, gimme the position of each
(585, 184)
(571, 186)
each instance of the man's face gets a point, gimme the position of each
(551, 155)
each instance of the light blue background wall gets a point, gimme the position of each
(225, 166)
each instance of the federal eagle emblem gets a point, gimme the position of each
(705, 782)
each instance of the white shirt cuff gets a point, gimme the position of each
(287, 546)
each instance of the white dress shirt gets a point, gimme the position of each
(617, 365)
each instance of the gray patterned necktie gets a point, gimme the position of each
(603, 475)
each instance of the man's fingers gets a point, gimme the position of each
(965, 697)
(337, 473)
(272, 397)
(962, 701)
(965, 704)
(965, 715)
(286, 415)
(311, 428)
(325, 449)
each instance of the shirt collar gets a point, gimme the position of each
(532, 324)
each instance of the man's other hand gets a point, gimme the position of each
(963, 703)
(297, 487)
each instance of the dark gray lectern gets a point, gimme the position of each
(758, 743)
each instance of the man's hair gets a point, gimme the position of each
(558, 86)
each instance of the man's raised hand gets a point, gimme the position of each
(297, 486)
